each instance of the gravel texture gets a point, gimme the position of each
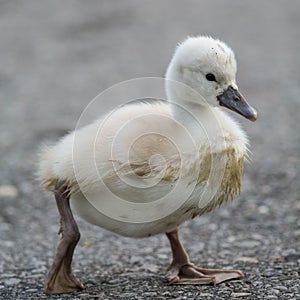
(55, 56)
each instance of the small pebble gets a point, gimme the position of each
(150, 294)
(116, 281)
(129, 295)
(263, 210)
(246, 259)
(151, 267)
(12, 281)
(206, 295)
(257, 283)
(31, 290)
(8, 191)
(249, 244)
(280, 287)
(238, 295)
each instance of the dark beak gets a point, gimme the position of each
(232, 99)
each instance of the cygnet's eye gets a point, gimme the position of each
(210, 77)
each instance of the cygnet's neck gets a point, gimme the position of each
(184, 96)
(191, 111)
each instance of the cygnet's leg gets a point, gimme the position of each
(60, 278)
(183, 272)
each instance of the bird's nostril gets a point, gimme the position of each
(236, 99)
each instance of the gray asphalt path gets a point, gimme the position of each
(55, 56)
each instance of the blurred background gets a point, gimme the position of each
(56, 56)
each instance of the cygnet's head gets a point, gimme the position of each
(208, 67)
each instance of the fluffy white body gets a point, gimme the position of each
(150, 165)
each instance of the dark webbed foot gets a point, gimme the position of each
(183, 272)
(60, 278)
(190, 274)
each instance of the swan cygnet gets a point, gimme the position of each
(172, 161)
